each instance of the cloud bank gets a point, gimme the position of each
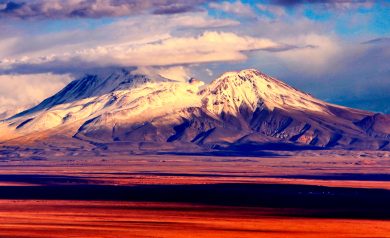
(27, 90)
(60, 9)
(207, 47)
(237, 8)
(342, 4)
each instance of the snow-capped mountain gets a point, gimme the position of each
(91, 86)
(245, 109)
(10, 110)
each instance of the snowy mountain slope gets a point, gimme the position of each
(91, 86)
(251, 88)
(237, 109)
(10, 110)
(134, 98)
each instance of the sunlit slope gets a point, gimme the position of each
(237, 110)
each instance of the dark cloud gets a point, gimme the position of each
(341, 5)
(11, 6)
(299, 2)
(288, 47)
(57, 9)
(382, 40)
(175, 9)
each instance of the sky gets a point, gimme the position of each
(338, 51)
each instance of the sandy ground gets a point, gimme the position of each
(54, 219)
(327, 168)
(310, 194)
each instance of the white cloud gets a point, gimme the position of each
(237, 8)
(131, 32)
(316, 56)
(176, 73)
(16, 90)
(138, 29)
(275, 10)
(209, 46)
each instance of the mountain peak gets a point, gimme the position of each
(238, 107)
(243, 72)
(251, 88)
(92, 85)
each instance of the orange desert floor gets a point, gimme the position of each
(315, 194)
(126, 219)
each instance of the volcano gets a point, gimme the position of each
(245, 110)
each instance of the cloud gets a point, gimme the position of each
(30, 89)
(381, 40)
(276, 11)
(326, 4)
(298, 2)
(175, 73)
(315, 57)
(237, 8)
(133, 31)
(334, 70)
(59, 9)
(176, 8)
(209, 72)
(209, 46)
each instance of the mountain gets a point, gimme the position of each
(244, 110)
(10, 110)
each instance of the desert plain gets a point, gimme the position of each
(72, 193)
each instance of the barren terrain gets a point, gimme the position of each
(117, 194)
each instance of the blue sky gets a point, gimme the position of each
(337, 50)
